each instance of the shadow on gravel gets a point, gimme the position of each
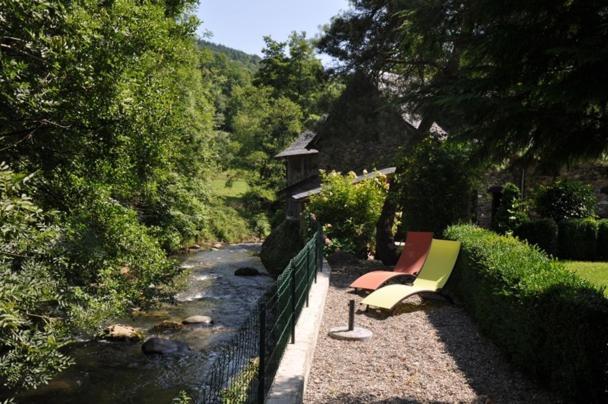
(357, 399)
(486, 369)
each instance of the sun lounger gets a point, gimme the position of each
(410, 262)
(432, 277)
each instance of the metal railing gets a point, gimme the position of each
(244, 370)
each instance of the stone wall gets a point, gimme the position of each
(364, 130)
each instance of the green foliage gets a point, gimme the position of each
(263, 126)
(540, 232)
(348, 211)
(548, 322)
(238, 390)
(182, 398)
(578, 239)
(289, 91)
(566, 199)
(512, 76)
(32, 301)
(292, 70)
(437, 185)
(511, 211)
(107, 104)
(245, 60)
(602, 239)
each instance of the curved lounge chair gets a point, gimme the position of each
(410, 262)
(432, 277)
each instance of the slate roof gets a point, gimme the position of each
(299, 147)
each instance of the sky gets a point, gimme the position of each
(242, 24)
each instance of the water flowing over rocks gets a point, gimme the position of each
(179, 354)
(162, 346)
(204, 320)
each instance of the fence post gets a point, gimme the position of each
(316, 250)
(262, 355)
(320, 246)
(307, 274)
(293, 303)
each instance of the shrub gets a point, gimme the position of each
(566, 199)
(349, 211)
(32, 329)
(541, 232)
(602, 239)
(511, 210)
(549, 322)
(437, 186)
(578, 239)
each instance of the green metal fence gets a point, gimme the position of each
(244, 370)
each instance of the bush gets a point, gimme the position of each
(566, 199)
(602, 239)
(541, 232)
(32, 326)
(511, 210)
(578, 239)
(349, 211)
(549, 322)
(437, 186)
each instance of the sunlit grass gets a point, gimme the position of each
(220, 186)
(594, 272)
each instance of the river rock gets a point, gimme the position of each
(280, 246)
(119, 332)
(218, 245)
(162, 346)
(167, 325)
(192, 320)
(246, 271)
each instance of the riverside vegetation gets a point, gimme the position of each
(114, 118)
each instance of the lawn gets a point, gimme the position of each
(594, 272)
(237, 188)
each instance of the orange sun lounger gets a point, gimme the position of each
(432, 277)
(410, 262)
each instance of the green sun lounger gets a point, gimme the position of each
(432, 277)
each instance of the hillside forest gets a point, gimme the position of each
(125, 139)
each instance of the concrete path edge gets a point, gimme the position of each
(292, 376)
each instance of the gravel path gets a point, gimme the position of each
(428, 351)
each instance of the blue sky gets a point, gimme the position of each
(241, 24)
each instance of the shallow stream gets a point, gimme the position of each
(118, 372)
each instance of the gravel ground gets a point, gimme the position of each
(428, 351)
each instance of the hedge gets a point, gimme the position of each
(541, 232)
(602, 239)
(548, 322)
(577, 239)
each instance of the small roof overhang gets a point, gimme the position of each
(386, 171)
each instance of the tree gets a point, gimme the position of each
(513, 77)
(106, 104)
(291, 70)
(263, 126)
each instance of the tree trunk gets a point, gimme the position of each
(386, 251)
(385, 241)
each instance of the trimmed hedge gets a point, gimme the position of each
(541, 232)
(549, 322)
(578, 239)
(602, 239)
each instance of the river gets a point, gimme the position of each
(118, 372)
